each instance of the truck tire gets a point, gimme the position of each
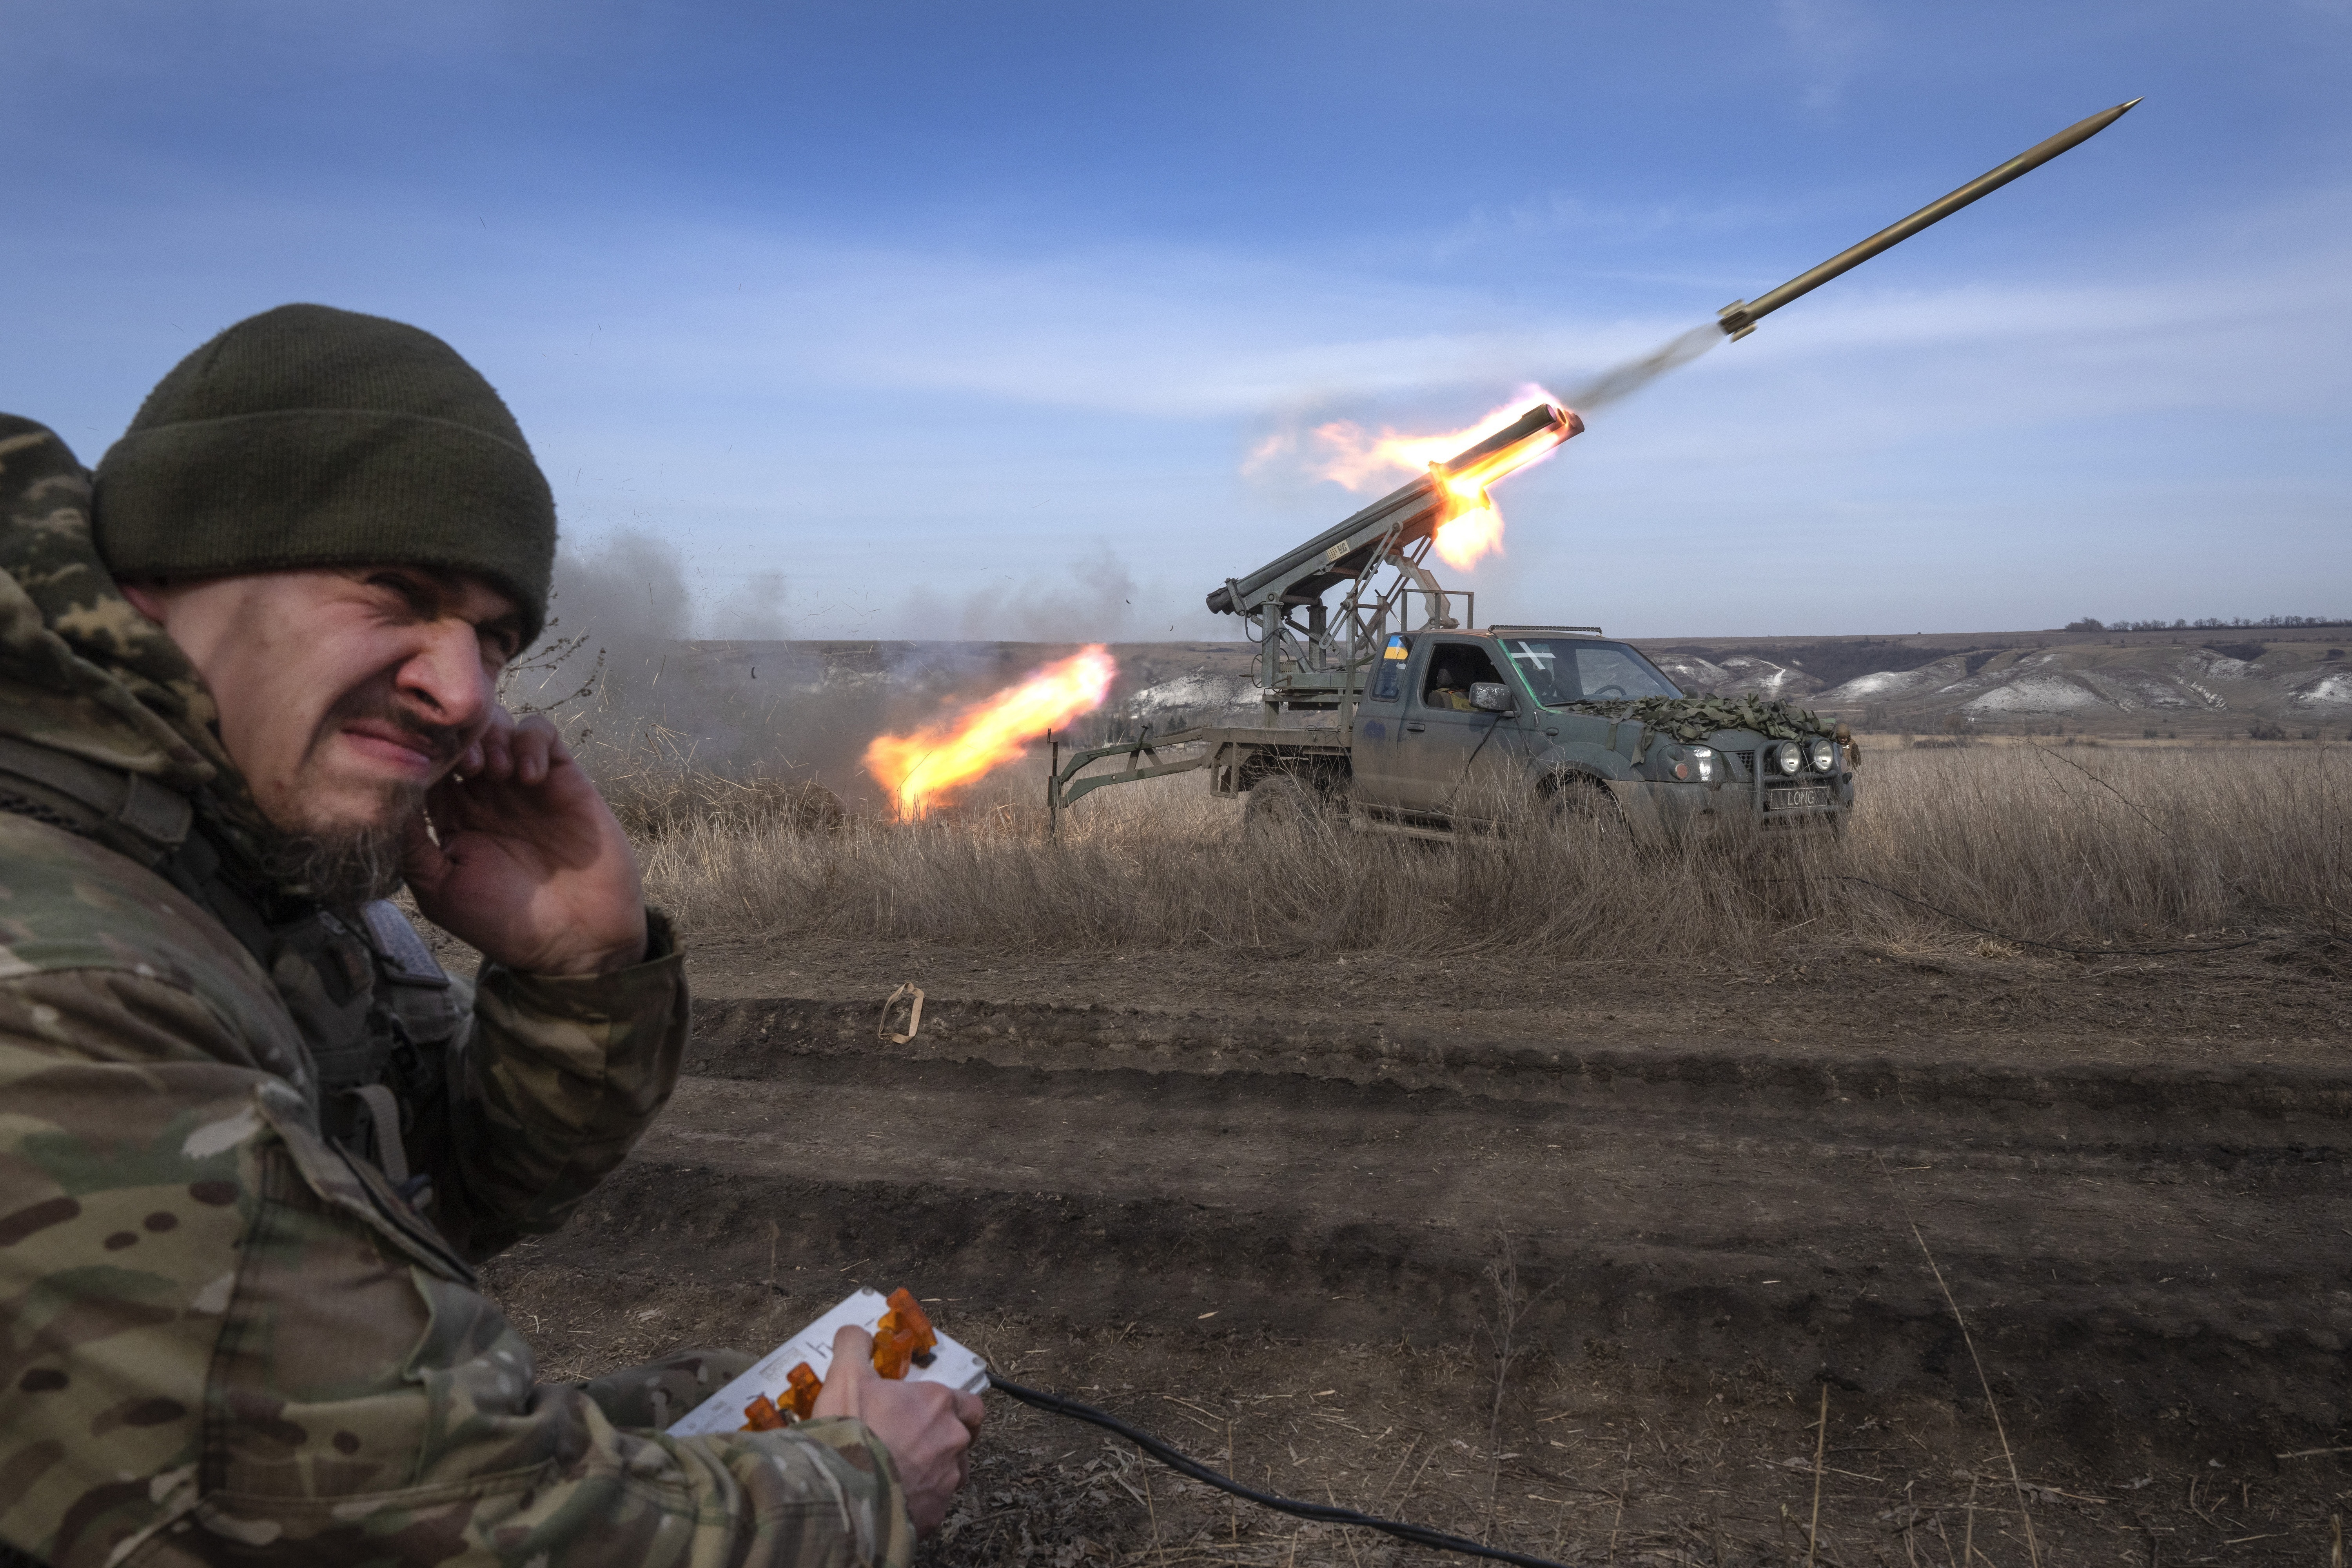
(1281, 803)
(1584, 806)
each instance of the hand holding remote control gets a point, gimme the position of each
(927, 1426)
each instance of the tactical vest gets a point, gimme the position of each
(378, 1015)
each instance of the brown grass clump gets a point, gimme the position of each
(658, 803)
(2129, 850)
(658, 790)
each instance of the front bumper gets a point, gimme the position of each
(1670, 807)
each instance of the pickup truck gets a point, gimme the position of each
(1454, 728)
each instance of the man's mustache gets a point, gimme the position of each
(443, 743)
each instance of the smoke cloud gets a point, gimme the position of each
(645, 677)
(1092, 599)
(630, 669)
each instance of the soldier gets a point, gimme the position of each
(252, 1139)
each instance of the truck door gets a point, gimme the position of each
(1453, 758)
(1380, 718)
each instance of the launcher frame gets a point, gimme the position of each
(1321, 666)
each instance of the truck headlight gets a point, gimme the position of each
(1788, 757)
(1823, 754)
(1691, 765)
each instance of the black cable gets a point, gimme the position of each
(1322, 1514)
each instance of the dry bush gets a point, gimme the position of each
(656, 803)
(2124, 848)
(657, 789)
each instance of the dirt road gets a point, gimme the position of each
(2133, 1180)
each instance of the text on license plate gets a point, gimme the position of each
(1796, 799)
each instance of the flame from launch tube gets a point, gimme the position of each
(1359, 461)
(1469, 536)
(942, 758)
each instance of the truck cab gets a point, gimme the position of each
(1455, 724)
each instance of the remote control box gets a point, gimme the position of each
(769, 1378)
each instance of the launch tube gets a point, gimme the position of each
(1413, 511)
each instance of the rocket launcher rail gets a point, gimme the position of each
(1320, 665)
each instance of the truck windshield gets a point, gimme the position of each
(1561, 670)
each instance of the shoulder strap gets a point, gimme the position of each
(384, 1113)
(155, 826)
(129, 812)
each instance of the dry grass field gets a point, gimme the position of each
(1542, 1187)
(2062, 845)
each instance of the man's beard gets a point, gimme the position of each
(343, 865)
(348, 864)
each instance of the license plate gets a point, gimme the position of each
(1796, 799)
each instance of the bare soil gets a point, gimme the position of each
(1562, 1257)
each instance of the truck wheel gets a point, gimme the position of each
(1583, 805)
(1280, 803)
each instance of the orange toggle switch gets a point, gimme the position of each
(806, 1386)
(906, 1313)
(894, 1351)
(904, 1337)
(761, 1416)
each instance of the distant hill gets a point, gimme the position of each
(732, 700)
(2208, 680)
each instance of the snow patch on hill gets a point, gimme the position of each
(2036, 694)
(1750, 673)
(2333, 689)
(1896, 685)
(1691, 673)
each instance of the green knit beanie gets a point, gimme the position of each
(307, 437)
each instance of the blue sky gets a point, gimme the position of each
(912, 320)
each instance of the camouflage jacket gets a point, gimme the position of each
(224, 1336)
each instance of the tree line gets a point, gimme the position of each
(2208, 623)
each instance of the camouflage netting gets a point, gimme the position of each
(1696, 717)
